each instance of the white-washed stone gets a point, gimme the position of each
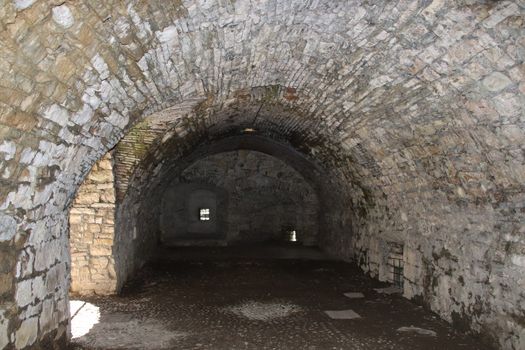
(57, 114)
(24, 295)
(7, 227)
(518, 260)
(8, 148)
(23, 4)
(63, 16)
(27, 156)
(102, 68)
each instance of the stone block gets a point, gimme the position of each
(518, 260)
(105, 164)
(62, 16)
(107, 197)
(4, 326)
(101, 177)
(496, 82)
(47, 253)
(100, 250)
(7, 227)
(94, 228)
(27, 333)
(47, 318)
(6, 282)
(75, 219)
(107, 242)
(24, 294)
(87, 198)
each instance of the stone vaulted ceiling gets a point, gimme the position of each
(415, 107)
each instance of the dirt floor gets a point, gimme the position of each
(207, 300)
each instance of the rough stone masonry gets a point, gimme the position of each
(92, 232)
(414, 109)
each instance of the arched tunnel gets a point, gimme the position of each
(160, 158)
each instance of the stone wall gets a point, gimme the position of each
(92, 232)
(264, 198)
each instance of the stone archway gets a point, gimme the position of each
(416, 106)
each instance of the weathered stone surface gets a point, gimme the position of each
(417, 330)
(7, 227)
(27, 333)
(259, 198)
(92, 233)
(4, 336)
(62, 15)
(401, 101)
(343, 314)
(24, 292)
(23, 4)
(496, 82)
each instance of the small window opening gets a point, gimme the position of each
(204, 214)
(396, 264)
(397, 272)
(289, 234)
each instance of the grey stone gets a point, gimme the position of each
(4, 323)
(496, 82)
(354, 295)
(417, 330)
(389, 290)
(7, 227)
(342, 314)
(27, 333)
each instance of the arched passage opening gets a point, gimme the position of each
(256, 189)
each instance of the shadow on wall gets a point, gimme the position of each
(194, 212)
(249, 197)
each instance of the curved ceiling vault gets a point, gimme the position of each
(417, 106)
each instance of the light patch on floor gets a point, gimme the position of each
(84, 316)
(139, 304)
(389, 290)
(417, 330)
(258, 311)
(342, 314)
(354, 295)
(123, 332)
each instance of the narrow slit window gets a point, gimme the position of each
(397, 272)
(204, 214)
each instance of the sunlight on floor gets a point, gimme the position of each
(83, 317)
